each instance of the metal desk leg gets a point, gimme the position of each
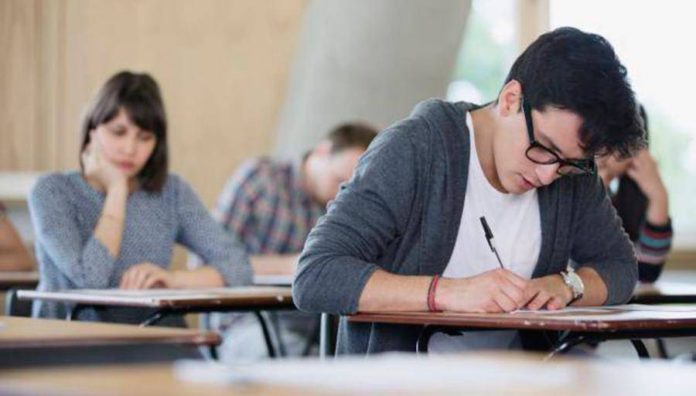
(327, 338)
(424, 338)
(266, 334)
(275, 326)
(154, 318)
(640, 348)
(314, 338)
(662, 348)
(212, 350)
(74, 311)
(565, 343)
(204, 324)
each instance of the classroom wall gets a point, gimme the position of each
(222, 65)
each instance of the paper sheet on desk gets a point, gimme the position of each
(175, 293)
(614, 312)
(402, 373)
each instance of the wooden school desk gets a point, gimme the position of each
(10, 282)
(167, 302)
(482, 373)
(661, 292)
(577, 325)
(18, 279)
(665, 292)
(25, 341)
(287, 280)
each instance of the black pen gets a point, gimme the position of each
(489, 237)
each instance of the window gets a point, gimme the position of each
(654, 41)
(488, 50)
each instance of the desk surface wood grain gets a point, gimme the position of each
(21, 333)
(514, 374)
(169, 298)
(591, 319)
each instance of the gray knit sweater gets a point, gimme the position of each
(65, 210)
(401, 212)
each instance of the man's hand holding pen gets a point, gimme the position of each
(501, 290)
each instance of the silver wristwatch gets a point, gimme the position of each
(574, 282)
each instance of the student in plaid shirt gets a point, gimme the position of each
(271, 206)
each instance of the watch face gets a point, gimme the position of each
(575, 283)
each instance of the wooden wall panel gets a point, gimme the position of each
(20, 49)
(222, 65)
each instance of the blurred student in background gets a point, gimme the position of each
(114, 222)
(641, 200)
(270, 205)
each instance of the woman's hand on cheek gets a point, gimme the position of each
(98, 168)
(645, 172)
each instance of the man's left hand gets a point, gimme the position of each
(548, 292)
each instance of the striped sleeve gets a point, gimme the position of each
(652, 247)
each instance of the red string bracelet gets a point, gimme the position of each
(432, 306)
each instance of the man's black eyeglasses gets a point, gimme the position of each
(540, 154)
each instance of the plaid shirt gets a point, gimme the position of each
(265, 206)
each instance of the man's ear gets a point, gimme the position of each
(510, 98)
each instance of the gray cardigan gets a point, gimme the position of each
(65, 211)
(401, 212)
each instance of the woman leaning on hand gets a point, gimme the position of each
(114, 222)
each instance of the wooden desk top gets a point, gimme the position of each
(664, 292)
(590, 319)
(133, 380)
(20, 333)
(481, 373)
(169, 298)
(9, 279)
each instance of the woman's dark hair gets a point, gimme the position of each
(629, 200)
(139, 96)
(580, 72)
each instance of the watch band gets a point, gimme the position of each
(574, 283)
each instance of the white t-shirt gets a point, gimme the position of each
(516, 226)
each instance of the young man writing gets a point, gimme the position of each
(404, 233)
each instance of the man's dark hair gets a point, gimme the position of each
(139, 96)
(351, 135)
(580, 72)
